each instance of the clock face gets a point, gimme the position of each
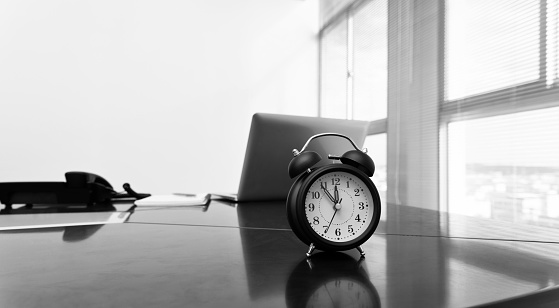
(339, 206)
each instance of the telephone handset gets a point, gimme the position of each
(81, 179)
(80, 188)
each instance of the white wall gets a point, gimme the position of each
(155, 93)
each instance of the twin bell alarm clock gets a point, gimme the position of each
(335, 206)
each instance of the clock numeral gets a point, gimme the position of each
(357, 218)
(323, 185)
(315, 220)
(338, 232)
(356, 192)
(315, 194)
(336, 181)
(361, 205)
(311, 207)
(350, 228)
(347, 184)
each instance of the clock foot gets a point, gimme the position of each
(361, 251)
(311, 249)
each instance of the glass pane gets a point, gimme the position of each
(333, 72)
(491, 45)
(506, 167)
(376, 146)
(370, 60)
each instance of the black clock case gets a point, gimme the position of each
(296, 208)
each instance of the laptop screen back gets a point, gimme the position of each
(271, 140)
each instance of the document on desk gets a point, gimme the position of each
(174, 200)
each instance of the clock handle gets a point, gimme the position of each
(303, 161)
(295, 152)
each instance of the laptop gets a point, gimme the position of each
(271, 140)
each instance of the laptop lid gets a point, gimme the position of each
(271, 140)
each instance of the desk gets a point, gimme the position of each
(247, 256)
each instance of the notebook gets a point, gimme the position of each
(272, 138)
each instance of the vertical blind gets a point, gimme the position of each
(491, 45)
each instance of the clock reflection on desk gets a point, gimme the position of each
(331, 280)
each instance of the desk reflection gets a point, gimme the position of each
(269, 255)
(331, 280)
(69, 234)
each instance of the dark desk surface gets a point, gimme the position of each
(247, 256)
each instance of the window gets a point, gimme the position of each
(353, 77)
(491, 45)
(500, 50)
(505, 167)
(499, 118)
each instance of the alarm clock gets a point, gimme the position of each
(335, 206)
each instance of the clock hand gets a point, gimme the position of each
(337, 208)
(331, 221)
(328, 193)
(336, 195)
